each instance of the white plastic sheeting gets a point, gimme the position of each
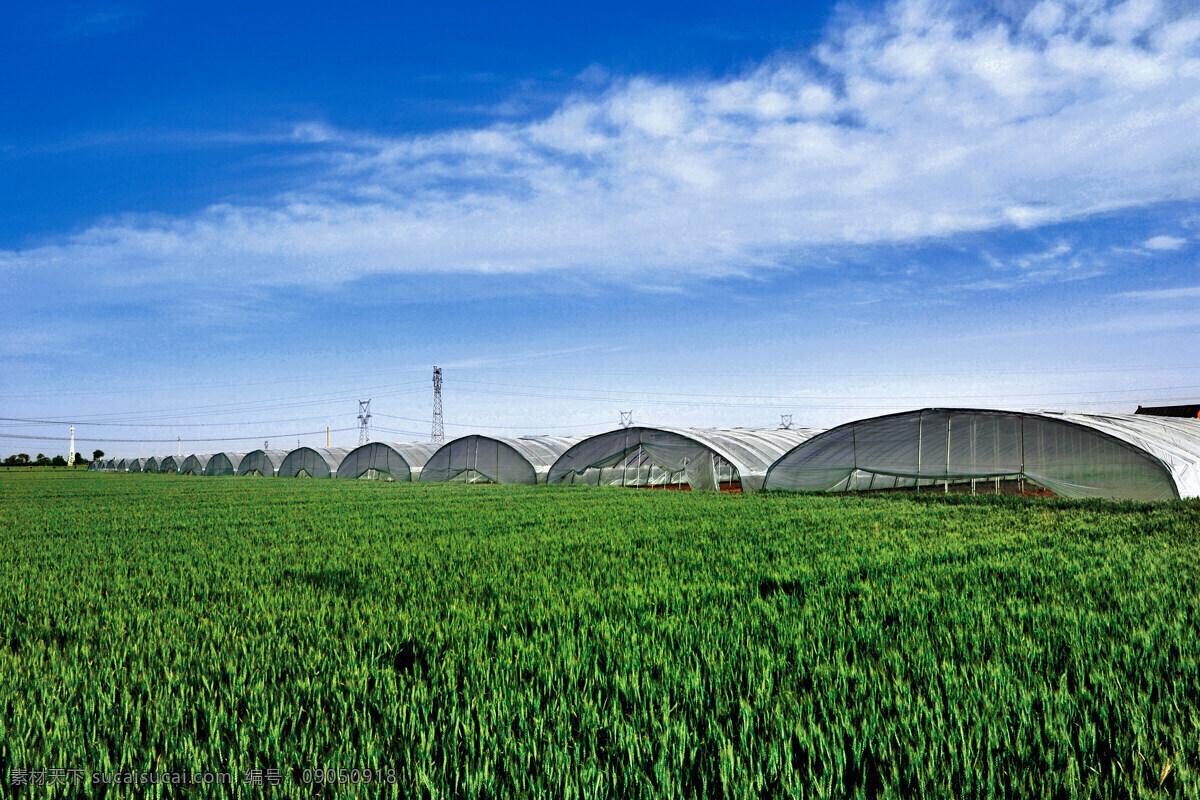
(261, 462)
(701, 458)
(194, 464)
(312, 462)
(483, 459)
(389, 461)
(224, 463)
(1120, 456)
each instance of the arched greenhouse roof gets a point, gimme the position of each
(261, 462)
(170, 464)
(397, 461)
(94, 466)
(194, 464)
(136, 464)
(1120, 456)
(223, 463)
(315, 462)
(642, 456)
(486, 459)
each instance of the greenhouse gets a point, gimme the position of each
(120, 465)
(726, 459)
(194, 464)
(136, 464)
(312, 462)
(483, 459)
(261, 462)
(1120, 456)
(225, 463)
(388, 461)
(94, 466)
(170, 464)
(151, 465)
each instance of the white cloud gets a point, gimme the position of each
(1164, 243)
(916, 122)
(1178, 293)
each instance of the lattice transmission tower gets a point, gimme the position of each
(364, 421)
(785, 422)
(626, 419)
(439, 433)
(71, 455)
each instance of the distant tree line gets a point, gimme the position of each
(43, 460)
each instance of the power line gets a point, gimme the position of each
(939, 397)
(18, 421)
(244, 406)
(493, 427)
(160, 441)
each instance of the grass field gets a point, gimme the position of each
(502, 641)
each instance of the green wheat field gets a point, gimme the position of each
(360, 639)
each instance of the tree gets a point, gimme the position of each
(58, 461)
(79, 459)
(97, 455)
(43, 460)
(20, 459)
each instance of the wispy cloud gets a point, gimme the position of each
(1178, 293)
(916, 122)
(85, 20)
(1164, 243)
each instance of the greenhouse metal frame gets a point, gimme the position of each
(729, 459)
(224, 463)
(502, 459)
(1116, 456)
(170, 464)
(261, 462)
(194, 464)
(312, 462)
(388, 461)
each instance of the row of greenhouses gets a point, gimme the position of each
(1120, 456)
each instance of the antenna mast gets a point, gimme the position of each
(71, 454)
(439, 433)
(364, 422)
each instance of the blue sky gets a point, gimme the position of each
(228, 222)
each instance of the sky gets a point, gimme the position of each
(223, 224)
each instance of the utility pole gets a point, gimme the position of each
(626, 419)
(439, 432)
(364, 422)
(71, 454)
